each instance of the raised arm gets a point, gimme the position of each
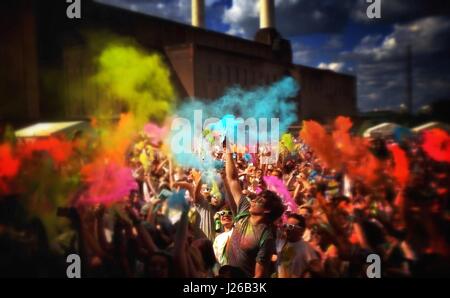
(231, 175)
(297, 191)
(149, 183)
(197, 192)
(170, 173)
(90, 241)
(291, 178)
(179, 254)
(100, 227)
(185, 185)
(161, 164)
(230, 201)
(337, 236)
(260, 270)
(150, 216)
(143, 234)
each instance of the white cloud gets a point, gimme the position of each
(334, 66)
(378, 60)
(390, 43)
(292, 17)
(303, 54)
(426, 36)
(240, 16)
(334, 42)
(240, 10)
(398, 11)
(381, 63)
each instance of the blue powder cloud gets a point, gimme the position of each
(274, 101)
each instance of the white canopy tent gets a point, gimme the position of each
(48, 129)
(430, 125)
(382, 130)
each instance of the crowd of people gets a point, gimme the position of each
(230, 224)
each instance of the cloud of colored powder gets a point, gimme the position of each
(261, 103)
(436, 143)
(138, 81)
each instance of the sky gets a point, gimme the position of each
(337, 35)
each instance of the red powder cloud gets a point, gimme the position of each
(436, 143)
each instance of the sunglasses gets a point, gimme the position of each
(291, 227)
(225, 213)
(257, 200)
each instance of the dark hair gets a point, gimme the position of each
(299, 218)
(206, 248)
(225, 206)
(289, 166)
(167, 256)
(279, 173)
(134, 192)
(273, 203)
(373, 233)
(164, 185)
(228, 271)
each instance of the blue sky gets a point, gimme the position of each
(338, 35)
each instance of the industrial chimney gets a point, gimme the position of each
(268, 34)
(198, 13)
(266, 14)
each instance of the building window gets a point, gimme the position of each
(253, 78)
(245, 77)
(237, 75)
(228, 75)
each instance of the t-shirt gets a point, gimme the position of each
(219, 247)
(206, 212)
(307, 235)
(147, 193)
(294, 257)
(249, 243)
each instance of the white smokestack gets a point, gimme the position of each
(198, 13)
(266, 14)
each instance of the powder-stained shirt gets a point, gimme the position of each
(206, 212)
(294, 258)
(219, 247)
(249, 243)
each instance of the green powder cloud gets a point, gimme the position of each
(136, 80)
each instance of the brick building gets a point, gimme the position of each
(43, 55)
